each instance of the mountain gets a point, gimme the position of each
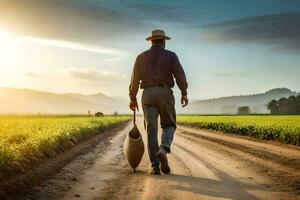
(26, 101)
(229, 105)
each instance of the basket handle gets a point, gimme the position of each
(133, 117)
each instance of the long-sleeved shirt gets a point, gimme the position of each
(157, 66)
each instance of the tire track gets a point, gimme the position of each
(292, 164)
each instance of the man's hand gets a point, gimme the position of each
(133, 105)
(184, 101)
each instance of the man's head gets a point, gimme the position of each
(158, 37)
(159, 42)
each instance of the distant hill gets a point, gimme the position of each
(229, 105)
(26, 101)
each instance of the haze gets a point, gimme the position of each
(89, 46)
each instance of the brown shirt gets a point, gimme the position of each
(157, 66)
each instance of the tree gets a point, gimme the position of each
(294, 105)
(297, 106)
(244, 110)
(99, 114)
(285, 106)
(273, 107)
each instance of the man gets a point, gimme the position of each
(155, 70)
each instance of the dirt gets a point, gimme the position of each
(204, 165)
(20, 184)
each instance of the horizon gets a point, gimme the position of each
(90, 47)
(124, 97)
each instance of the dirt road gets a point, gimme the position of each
(204, 165)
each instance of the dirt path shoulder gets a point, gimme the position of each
(21, 184)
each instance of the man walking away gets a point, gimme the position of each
(154, 70)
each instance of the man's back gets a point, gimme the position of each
(156, 67)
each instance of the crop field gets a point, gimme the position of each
(26, 140)
(285, 129)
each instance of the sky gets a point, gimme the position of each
(232, 47)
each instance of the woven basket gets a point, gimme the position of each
(134, 146)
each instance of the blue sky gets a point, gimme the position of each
(227, 47)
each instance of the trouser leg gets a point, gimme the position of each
(167, 137)
(151, 115)
(168, 120)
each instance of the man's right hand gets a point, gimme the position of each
(133, 105)
(184, 101)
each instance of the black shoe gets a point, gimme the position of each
(163, 159)
(155, 171)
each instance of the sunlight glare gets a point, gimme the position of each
(9, 50)
(7, 40)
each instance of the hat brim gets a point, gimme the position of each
(158, 37)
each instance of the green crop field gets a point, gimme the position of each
(285, 129)
(26, 140)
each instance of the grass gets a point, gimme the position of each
(25, 141)
(285, 129)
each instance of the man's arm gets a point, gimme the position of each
(180, 77)
(134, 85)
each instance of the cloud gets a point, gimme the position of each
(280, 30)
(74, 21)
(94, 76)
(112, 23)
(37, 75)
(76, 46)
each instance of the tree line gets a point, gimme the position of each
(285, 106)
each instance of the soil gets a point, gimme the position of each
(204, 165)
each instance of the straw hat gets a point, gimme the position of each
(158, 34)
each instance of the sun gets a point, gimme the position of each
(9, 51)
(8, 41)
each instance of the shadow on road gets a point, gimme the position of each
(209, 187)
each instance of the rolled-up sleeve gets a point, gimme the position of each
(179, 75)
(135, 80)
